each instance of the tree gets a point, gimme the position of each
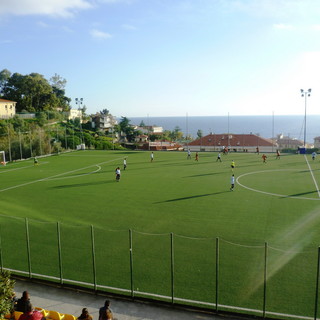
(33, 92)
(199, 133)
(176, 134)
(126, 128)
(42, 119)
(58, 82)
(58, 85)
(18, 124)
(124, 124)
(83, 110)
(104, 112)
(63, 101)
(142, 124)
(6, 293)
(5, 75)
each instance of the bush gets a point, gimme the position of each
(6, 293)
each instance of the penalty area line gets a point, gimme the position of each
(58, 175)
(312, 175)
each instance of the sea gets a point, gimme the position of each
(267, 126)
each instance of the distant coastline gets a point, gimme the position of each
(266, 126)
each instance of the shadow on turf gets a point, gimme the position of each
(299, 194)
(192, 197)
(206, 174)
(83, 184)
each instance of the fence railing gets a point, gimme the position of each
(218, 274)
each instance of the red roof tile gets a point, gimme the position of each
(4, 100)
(241, 140)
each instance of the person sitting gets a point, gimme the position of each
(105, 312)
(23, 302)
(85, 315)
(31, 314)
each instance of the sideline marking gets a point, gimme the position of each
(31, 166)
(58, 175)
(78, 175)
(270, 193)
(313, 178)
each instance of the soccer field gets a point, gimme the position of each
(169, 202)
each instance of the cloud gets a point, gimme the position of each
(44, 7)
(67, 29)
(42, 24)
(98, 34)
(128, 27)
(282, 26)
(275, 8)
(5, 41)
(117, 1)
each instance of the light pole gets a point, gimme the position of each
(305, 94)
(79, 102)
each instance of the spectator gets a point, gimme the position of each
(85, 315)
(29, 314)
(23, 302)
(105, 312)
(13, 304)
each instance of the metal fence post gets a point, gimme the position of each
(93, 259)
(28, 246)
(1, 262)
(217, 274)
(172, 269)
(59, 252)
(317, 287)
(265, 279)
(131, 263)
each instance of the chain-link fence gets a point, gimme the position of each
(256, 279)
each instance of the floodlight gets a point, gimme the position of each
(305, 94)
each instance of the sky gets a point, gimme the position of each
(170, 57)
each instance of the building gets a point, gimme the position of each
(141, 138)
(160, 146)
(75, 113)
(317, 142)
(103, 122)
(7, 109)
(286, 142)
(149, 129)
(234, 142)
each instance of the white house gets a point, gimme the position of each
(317, 142)
(75, 113)
(103, 122)
(7, 109)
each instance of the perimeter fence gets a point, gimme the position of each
(214, 273)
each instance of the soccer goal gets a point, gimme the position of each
(2, 158)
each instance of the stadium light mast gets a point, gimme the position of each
(79, 102)
(305, 94)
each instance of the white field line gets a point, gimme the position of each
(57, 175)
(79, 175)
(314, 180)
(270, 193)
(31, 166)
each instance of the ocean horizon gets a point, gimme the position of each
(267, 126)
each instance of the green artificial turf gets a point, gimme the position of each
(170, 203)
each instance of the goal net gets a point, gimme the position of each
(2, 158)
